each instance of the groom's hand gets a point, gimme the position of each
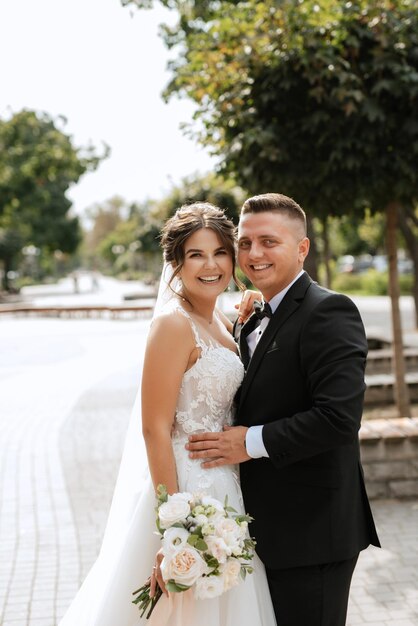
(224, 448)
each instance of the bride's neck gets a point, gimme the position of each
(201, 309)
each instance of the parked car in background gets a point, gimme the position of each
(349, 264)
(380, 262)
(405, 265)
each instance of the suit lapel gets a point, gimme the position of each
(246, 329)
(286, 308)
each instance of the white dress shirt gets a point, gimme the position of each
(254, 437)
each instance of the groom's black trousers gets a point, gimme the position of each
(312, 596)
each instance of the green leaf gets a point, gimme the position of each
(162, 494)
(211, 561)
(243, 518)
(193, 539)
(176, 587)
(201, 545)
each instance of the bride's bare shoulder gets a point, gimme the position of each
(168, 349)
(172, 326)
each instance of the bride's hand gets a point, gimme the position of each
(156, 576)
(245, 307)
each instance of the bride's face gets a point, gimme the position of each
(207, 267)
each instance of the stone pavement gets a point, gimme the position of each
(66, 389)
(46, 368)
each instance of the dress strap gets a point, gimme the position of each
(199, 341)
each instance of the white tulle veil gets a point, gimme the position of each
(133, 471)
(133, 492)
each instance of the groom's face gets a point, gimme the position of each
(271, 250)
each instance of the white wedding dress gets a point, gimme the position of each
(205, 403)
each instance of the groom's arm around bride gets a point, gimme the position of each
(298, 416)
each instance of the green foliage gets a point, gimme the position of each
(211, 561)
(118, 240)
(123, 238)
(352, 235)
(104, 218)
(223, 193)
(162, 494)
(315, 99)
(371, 283)
(38, 163)
(174, 587)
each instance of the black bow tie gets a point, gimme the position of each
(262, 309)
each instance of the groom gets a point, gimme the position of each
(299, 412)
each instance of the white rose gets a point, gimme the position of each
(229, 531)
(173, 511)
(218, 548)
(182, 495)
(174, 539)
(231, 572)
(209, 587)
(185, 566)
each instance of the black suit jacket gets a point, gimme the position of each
(305, 383)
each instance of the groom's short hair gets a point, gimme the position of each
(275, 202)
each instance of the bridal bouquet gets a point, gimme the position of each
(205, 546)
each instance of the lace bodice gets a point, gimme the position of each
(205, 403)
(208, 388)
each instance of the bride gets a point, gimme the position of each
(190, 376)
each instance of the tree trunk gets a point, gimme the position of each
(311, 261)
(7, 266)
(327, 255)
(407, 222)
(401, 387)
(415, 291)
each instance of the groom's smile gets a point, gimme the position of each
(260, 268)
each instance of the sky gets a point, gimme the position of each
(103, 67)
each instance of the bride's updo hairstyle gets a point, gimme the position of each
(187, 220)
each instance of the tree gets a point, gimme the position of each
(38, 163)
(408, 222)
(125, 236)
(316, 99)
(221, 192)
(104, 218)
(133, 244)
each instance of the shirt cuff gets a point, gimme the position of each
(254, 442)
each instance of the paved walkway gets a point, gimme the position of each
(66, 389)
(57, 435)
